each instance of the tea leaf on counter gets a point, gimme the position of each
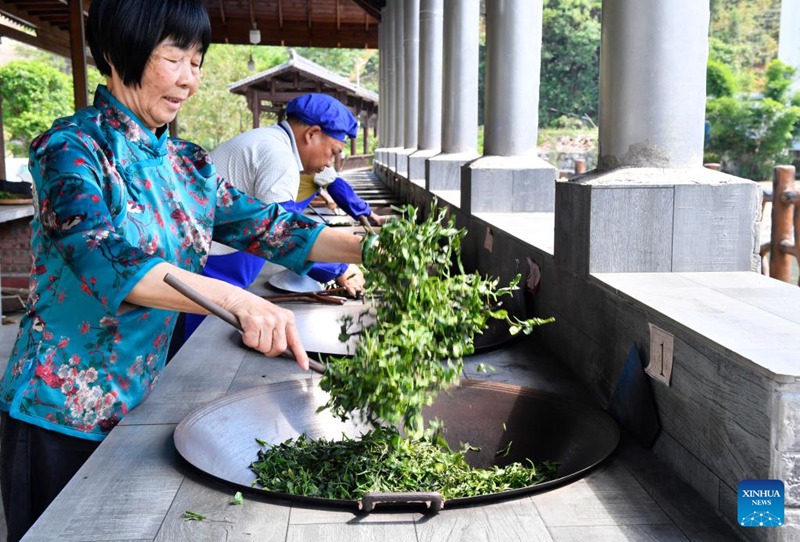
(193, 516)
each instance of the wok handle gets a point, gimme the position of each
(432, 499)
(202, 300)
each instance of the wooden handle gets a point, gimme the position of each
(225, 315)
(365, 223)
(203, 301)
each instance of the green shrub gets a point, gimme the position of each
(720, 81)
(752, 134)
(34, 95)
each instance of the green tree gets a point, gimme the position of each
(570, 60)
(34, 94)
(215, 114)
(744, 36)
(349, 63)
(751, 134)
(719, 80)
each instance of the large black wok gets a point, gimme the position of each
(220, 437)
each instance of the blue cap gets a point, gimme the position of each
(326, 112)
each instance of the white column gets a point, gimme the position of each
(460, 95)
(399, 81)
(391, 80)
(510, 177)
(383, 90)
(789, 41)
(653, 58)
(461, 32)
(411, 80)
(513, 62)
(431, 29)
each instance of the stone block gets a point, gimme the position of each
(416, 164)
(725, 213)
(790, 532)
(390, 157)
(656, 220)
(401, 161)
(443, 172)
(508, 184)
(788, 426)
(789, 472)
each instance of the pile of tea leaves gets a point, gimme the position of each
(381, 460)
(427, 315)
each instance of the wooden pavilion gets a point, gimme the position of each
(269, 91)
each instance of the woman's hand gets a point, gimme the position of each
(352, 280)
(266, 327)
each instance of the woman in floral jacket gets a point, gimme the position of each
(118, 205)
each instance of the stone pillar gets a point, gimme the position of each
(510, 177)
(651, 206)
(389, 101)
(789, 42)
(431, 21)
(399, 94)
(652, 84)
(411, 81)
(383, 92)
(460, 86)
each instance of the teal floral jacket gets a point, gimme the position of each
(112, 199)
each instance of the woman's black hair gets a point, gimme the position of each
(126, 32)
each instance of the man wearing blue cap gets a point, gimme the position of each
(266, 163)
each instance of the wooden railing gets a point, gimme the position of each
(784, 245)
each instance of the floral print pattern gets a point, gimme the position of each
(112, 199)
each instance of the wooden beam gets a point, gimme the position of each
(78, 54)
(41, 26)
(58, 45)
(296, 33)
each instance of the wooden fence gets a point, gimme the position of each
(784, 245)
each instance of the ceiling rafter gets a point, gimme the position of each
(317, 23)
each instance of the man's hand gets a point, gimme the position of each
(329, 203)
(377, 220)
(352, 280)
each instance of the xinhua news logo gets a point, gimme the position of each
(761, 503)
